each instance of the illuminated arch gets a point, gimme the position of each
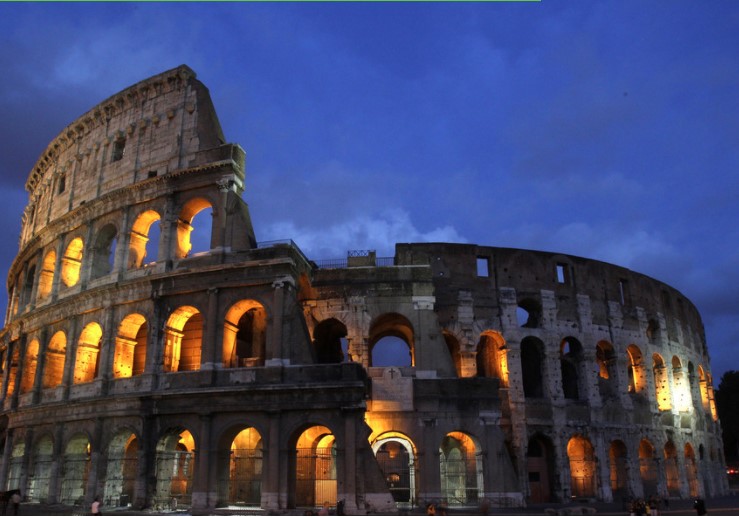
(175, 468)
(492, 356)
(185, 228)
(37, 490)
(71, 262)
(55, 357)
(647, 467)
(637, 375)
(681, 382)
(313, 477)
(30, 363)
(245, 468)
(17, 459)
(103, 251)
(460, 466)
(396, 455)
(672, 471)
(582, 466)
(140, 246)
(245, 335)
(691, 471)
(75, 469)
(121, 469)
(88, 354)
(183, 336)
(130, 347)
(617, 460)
(46, 278)
(661, 383)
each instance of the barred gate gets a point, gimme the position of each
(315, 476)
(174, 472)
(75, 471)
(673, 476)
(397, 473)
(582, 479)
(38, 485)
(120, 480)
(619, 486)
(648, 471)
(459, 479)
(245, 485)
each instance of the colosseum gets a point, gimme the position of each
(248, 376)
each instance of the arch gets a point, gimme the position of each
(396, 455)
(27, 292)
(141, 247)
(647, 467)
(570, 359)
(103, 251)
(532, 362)
(72, 261)
(606, 358)
(30, 364)
(460, 466)
(86, 365)
(703, 385)
(618, 460)
(691, 470)
(313, 478)
(528, 313)
(130, 347)
(75, 469)
(37, 490)
(245, 335)
(327, 341)
(46, 278)
(183, 336)
(55, 357)
(17, 459)
(492, 356)
(637, 376)
(245, 468)
(661, 383)
(185, 228)
(540, 468)
(121, 469)
(681, 383)
(175, 466)
(391, 336)
(582, 466)
(672, 472)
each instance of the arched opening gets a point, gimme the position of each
(13, 369)
(17, 457)
(46, 278)
(144, 240)
(130, 347)
(28, 286)
(570, 358)
(315, 468)
(647, 468)
(175, 465)
(540, 467)
(71, 262)
(637, 379)
(103, 251)
(122, 466)
(189, 243)
(395, 455)
(38, 483)
(245, 469)
(492, 356)
(391, 341)
(661, 383)
(606, 358)
(582, 467)
(55, 356)
(532, 356)
(327, 341)
(703, 386)
(245, 335)
(88, 354)
(672, 473)
(691, 470)
(30, 363)
(681, 383)
(528, 313)
(460, 465)
(183, 337)
(75, 470)
(619, 475)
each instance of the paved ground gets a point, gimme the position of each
(727, 505)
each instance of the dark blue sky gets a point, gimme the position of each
(605, 129)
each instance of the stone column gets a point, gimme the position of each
(7, 452)
(211, 357)
(271, 473)
(428, 460)
(40, 364)
(275, 354)
(347, 489)
(204, 488)
(58, 267)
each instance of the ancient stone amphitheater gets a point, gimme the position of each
(246, 375)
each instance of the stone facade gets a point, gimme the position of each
(248, 375)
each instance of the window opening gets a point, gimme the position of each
(563, 274)
(483, 267)
(62, 183)
(622, 291)
(119, 148)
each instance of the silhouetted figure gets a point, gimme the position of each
(700, 507)
(15, 500)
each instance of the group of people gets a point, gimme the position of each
(650, 506)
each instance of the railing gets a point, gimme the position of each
(344, 263)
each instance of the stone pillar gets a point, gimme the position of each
(57, 267)
(121, 251)
(40, 364)
(428, 460)
(347, 489)
(275, 354)
(70, 357)
(7, 452)
(204, 488)
(96, 444)
(107, 347)
(212, 346)
(271, 474)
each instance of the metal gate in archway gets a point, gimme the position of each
(246, 477)
(396, 466)
(315, 476)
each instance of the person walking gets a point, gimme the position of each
(95, 506)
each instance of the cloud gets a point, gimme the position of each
(378, 233)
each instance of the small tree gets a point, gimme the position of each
(727, 405)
